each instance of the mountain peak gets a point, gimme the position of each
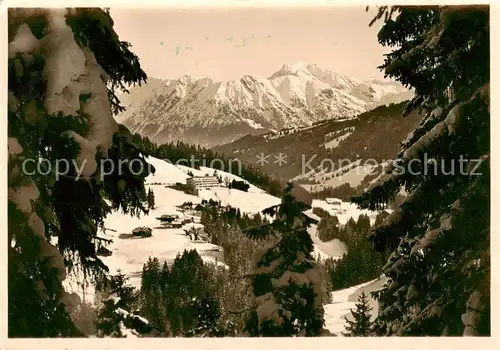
(293, 69)
(302, 65)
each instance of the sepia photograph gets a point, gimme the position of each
(248, 170)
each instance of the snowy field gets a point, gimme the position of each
(130, 253)
(345, 211)
(344, 300)
(354, 177)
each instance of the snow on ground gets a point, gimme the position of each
(247, 202)
(165, 172)
(353, 177)
(253, 124)
(333, 249)
(324, 170)
(344, 300)
(130, 253)
(345, 211)
(336, 142)
(196, 172)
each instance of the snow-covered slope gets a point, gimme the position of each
(130, 253)
(344, 300)
(333, 249)
(315, 154)
(352, 174)
(165, 173)
(345, 211)
(211, 113)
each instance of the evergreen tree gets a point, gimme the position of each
(65, 67)
(362, 262)
(329, 228)
(286, 282)
(360, 325)
(186, 291)
(363, 224)
(208, 312)
(151, 199)
(439, 268)
(84, 318)
(114, 313)
(348, 231)
(153, 294)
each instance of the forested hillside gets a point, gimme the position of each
(372, 135)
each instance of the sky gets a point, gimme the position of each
(227, 43)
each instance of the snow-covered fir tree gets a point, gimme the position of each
(360, 325)
(114, 318)
(287, 288)
(64, 68)
(439, 270)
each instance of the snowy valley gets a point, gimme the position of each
(129, 253)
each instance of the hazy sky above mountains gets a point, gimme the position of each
(227, 43)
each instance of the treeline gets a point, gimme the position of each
(361, 263)
(345, 192)
(190, 298)
(175, 151)
(186, 299)
(377, 134)
(217, 219)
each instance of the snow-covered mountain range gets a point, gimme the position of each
(210, 113)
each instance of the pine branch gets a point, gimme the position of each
(271, 210)
(422, 314)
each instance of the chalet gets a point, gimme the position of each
(167, 218)
(142, 231)
(334, 201)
